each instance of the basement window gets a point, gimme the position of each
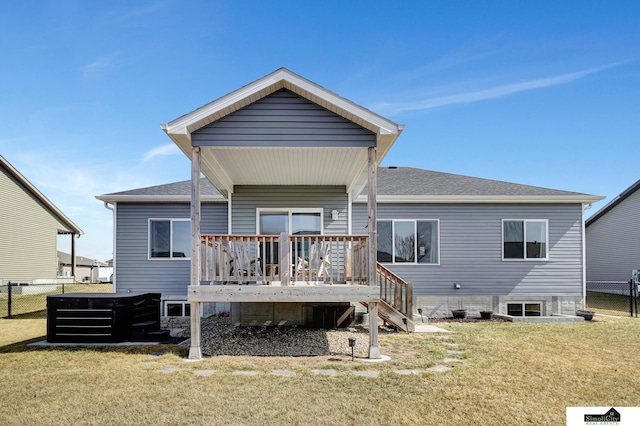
(177, 308)
(524, 309)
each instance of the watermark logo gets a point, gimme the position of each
(600, 416)
(611, 417)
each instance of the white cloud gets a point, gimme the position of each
(96, 67)
(140, 12)
(163, 150)
(491, 93)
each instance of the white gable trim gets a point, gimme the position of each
(281, 78)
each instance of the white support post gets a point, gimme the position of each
(374, 349)
(285, 259)
(195, 352)
(74, 265)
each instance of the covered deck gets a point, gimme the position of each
(283, 130)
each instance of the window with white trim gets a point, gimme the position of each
(408, 241)
(177, 308)
(169, 238)
(525, 239)
(524, 309)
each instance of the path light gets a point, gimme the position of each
(404, 320)
(352, 345)
(420, 312)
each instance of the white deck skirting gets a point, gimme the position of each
(277, 293)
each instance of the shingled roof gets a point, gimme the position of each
(412, 181)
(177, 191)
(395, 184)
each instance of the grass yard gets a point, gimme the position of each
(28, 303)
(512, 374)
(608, 304)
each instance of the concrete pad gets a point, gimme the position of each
(555, 319)
(284, 373)
(244, 373)
(449, 360)
(427, 328)
(204, 373)
(451, 344)
(45, 344)
(406, 372)
(332, 373)
(452, 352)
(372, 374)
(169, 370)
(439, 368)
(382, 358)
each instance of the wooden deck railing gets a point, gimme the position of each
(264, 259)
(395, 291)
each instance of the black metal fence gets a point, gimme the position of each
(23, 298)
(613, 297)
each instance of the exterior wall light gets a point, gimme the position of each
(456, 286)
(334, 214)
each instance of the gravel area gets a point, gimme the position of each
(219, 337)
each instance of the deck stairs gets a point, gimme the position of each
(396, 300)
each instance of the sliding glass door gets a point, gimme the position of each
(293, 222)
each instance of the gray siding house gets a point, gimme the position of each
(612, 235)
(295, 204)
(29, 230)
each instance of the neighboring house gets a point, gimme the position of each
(29, 228)
(87, 270)
(293, 197)
(612, 235)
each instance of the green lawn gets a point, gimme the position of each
(608, 304)
(512, 374)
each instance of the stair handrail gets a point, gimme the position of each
(394, 290)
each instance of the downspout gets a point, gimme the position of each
(113, 265)
(229, 214)
(585, 207)
(349, 213)
(73, 256)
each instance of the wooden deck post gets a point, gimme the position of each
(285, 259)
(374, 349)
(195, 352)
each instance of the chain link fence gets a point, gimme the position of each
(18, 299)
(618, 298)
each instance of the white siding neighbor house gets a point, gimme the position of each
(29, 229)
(612, 234)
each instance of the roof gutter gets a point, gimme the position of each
(157, 199)
(484, 199)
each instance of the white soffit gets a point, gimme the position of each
(281, 166)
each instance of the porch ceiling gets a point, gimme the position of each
(227, 166)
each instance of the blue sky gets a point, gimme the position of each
(544, 93)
